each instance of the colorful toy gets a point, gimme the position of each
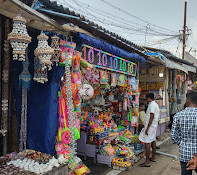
(63, 134)
(73, 88)
(121, 162)
(86, 91)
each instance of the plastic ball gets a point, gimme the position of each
(86, 91)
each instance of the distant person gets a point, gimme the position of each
(148, 133)
(184, 132)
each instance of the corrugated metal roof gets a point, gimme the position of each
(170, 56)
(190, 58)
(53, 5)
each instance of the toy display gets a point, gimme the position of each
(121, 162)
(77, 167)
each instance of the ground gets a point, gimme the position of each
(164, 165)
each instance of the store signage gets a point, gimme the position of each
(105, 60)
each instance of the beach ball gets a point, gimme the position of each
(86, 91)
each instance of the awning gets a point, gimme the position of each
(173, 65)
(100, 44)
(155, 57)
(189, 68)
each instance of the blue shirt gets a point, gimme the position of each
(184, 133)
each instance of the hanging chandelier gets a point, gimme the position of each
(57, 50)
(44, 52)
(19, 38)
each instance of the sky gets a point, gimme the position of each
(159, 21)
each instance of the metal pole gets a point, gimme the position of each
(184, 30)
(167, 154)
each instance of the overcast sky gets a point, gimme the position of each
(167, 14)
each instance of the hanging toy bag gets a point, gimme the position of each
(63, 133)
(76, 79)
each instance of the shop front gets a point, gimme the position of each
(68, 92)
(154, 79)
(109, 120)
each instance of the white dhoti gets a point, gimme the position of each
(150, 137)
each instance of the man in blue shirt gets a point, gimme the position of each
(184, 132)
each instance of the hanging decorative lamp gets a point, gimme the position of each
(44, 52)
(19, 38)
(57, 50)
(40, 75)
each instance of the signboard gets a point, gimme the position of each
(105, 60)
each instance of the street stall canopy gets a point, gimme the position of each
(97, 43)
(173, 65)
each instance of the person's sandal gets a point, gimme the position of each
(144, 165)
(152, 160)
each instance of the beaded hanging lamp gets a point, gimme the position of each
(40, 75)
(19, 38)
(57, 50)
(44, 52)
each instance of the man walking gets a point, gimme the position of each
(148, 133)
(184, 132)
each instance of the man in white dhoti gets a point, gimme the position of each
(148, 133)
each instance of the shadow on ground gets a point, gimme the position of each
(94, 167)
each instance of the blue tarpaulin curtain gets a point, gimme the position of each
(42, 111)
(97, 43)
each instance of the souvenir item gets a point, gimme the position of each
(132, 81)
(134, 121)
(44, 52)
(71, 115)
(113, 79)
(40, 75)
(111, 96)
(62, 159)
(86, 91)
(63, 134)
(125, 103)
(86, 65)
(121, 79)
(104, 77)
(74, 90)
(76, 79)
(19, 38)
(92, 76)
(57, 50)
(62, 149)
(68, 48)
(24, 82)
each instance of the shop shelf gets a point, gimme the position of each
(101, 159)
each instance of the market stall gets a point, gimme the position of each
(154, 79)
(109, 119)
(68, 93)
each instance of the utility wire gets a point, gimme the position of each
(134, 16)
(113, 17)
(125, 27)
